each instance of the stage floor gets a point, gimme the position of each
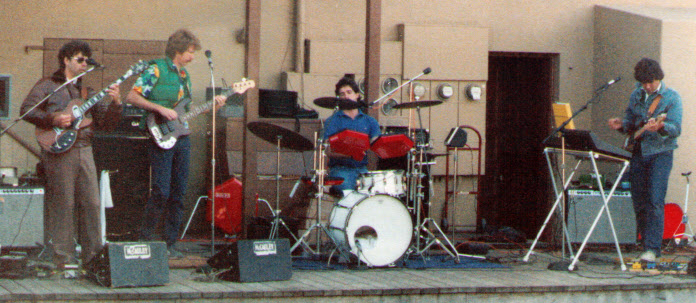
(598, 278)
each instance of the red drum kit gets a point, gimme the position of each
(375, 222)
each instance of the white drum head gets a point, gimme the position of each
(379, 230)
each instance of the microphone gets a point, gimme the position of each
(208, 53)
(609, 83)
(427, 70)
(91, 61)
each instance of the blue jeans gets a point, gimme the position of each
(649, 176)
(350, 176)
(170, 169)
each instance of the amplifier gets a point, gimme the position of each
(21, 216)
(583, 207)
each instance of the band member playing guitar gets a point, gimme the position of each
(159, 90)
(652, 158)
(70, 175)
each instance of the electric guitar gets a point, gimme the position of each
(57, 140)
(166, 132)
(634, 138)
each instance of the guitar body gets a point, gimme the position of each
(164, 132)
(634, 138)
(57, 140)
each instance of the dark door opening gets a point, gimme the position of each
(520, 90)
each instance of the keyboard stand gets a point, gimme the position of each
(581, 156)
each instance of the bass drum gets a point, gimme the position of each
(377, 229)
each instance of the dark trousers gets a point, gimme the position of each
(170, 169)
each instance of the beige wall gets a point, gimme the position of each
(563, 26)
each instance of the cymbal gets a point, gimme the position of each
(332, 102)
(415, 104)
(288, 139)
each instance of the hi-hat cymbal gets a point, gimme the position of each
(288, 139)
(332, 102)
(415, 104)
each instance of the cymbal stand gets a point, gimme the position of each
(277, 221)
(432, 238)
(318, 180)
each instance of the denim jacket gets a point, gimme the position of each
(637, 113)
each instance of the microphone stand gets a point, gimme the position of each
(44, 100)
(212, 161)
(561, 128)
(425, 72)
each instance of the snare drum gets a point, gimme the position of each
(377, 229)
(388, 182)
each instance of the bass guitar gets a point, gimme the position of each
(632, 139)
(57, 140)
(166, 132)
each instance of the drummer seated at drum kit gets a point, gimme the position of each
(348, 117)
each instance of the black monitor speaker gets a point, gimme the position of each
(456, 138)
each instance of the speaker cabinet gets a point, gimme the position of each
(254, 261)
(583, 207)
(21, 216)
(126, 158)
(129, 264)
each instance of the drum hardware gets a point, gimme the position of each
(282, 137)
(319, 180)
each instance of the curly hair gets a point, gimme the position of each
(180, 41)
(648, 70)
(72, 48)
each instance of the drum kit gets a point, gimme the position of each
(383, 219)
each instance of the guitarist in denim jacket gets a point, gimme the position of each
(651, 163)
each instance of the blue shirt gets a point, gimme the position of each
(637, 112)
(339, 122)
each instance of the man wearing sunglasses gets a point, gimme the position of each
(72, 193)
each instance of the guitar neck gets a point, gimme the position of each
(205, 106)
(100, 95)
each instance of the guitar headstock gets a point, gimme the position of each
(242, 86)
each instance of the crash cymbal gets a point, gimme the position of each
(415, 104)
(332, 102)
(288, 139)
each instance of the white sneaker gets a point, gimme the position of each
(648, 256)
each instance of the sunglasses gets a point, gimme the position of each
(80, 59)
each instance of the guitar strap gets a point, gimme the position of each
(653, 105)
(83, 92)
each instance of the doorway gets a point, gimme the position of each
(516, 188)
